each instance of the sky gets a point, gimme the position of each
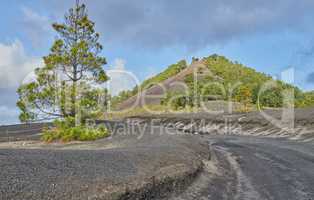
(143, 37)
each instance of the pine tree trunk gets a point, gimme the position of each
(74, 93)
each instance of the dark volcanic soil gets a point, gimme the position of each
(129, 165)
(256, 161)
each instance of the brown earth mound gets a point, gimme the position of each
(154, 94)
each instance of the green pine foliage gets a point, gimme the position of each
(74, 64)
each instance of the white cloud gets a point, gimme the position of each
(120, 78)
(32, 16)
(36, 26)
(119, 64)
(15, 65)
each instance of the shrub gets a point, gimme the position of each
(65, 131)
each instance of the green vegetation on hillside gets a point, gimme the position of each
(227, 80)
(306, 99)
(171, 71)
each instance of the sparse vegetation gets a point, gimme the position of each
(149, 109)
(172, 70)
(66, 131)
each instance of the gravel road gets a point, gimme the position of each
(250, 168)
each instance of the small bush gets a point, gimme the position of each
(65, 131)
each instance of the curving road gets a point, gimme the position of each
(248, 168)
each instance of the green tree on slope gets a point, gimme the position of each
(244, 95)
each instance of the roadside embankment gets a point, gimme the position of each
(295, 125)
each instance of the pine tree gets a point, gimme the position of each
(66, 83)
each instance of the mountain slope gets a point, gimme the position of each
(156, 88)
(215, 76)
